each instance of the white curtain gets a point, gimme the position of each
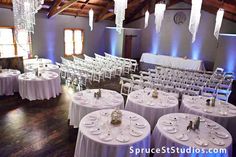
(91, 15)
(159, 14)
(146, 19)
(195, 17)
(219, 19)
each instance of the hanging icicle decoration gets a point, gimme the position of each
(159, 14)
(119, 11)
(146, 19)
(195, 18)
(219, 19)
(91, 15)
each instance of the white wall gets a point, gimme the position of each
(48, 38)
(115, 42)
(175, 40)
(226, 53)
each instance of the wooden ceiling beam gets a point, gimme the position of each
(104, 11)
(105, 14)
(137, 10)
(213, 10)
(152, 10)
(227, 7)
(62, 8)
(82, 7)
(54, 7)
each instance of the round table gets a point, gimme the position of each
(46, 67)
(41, 87)
(223, 113)
(171, 132)
(9, 81)
(97, 137)
(35, 61)
(84, 102)
(142, 103)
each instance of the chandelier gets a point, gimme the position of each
(159, 14)
(91, 15)
(119, 10)
(195, 18)
(219, 19)
(146, 19)
(24, 14)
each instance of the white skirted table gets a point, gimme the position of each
(142, 103)
(46, 67)
(9, 81)
(174, 62)
(84, 102)
(42, 87)
(211, 139)
(97, 137)
(223, 113)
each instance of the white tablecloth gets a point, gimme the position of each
(142, 103)
(112, 141)
(39, 88)
(208, 133)
(223, 113)
(34, 61)
(83, 102)
(46, 67)
(9, 81)
(174, 62)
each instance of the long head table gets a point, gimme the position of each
(173, 62)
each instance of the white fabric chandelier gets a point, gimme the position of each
(91, 15)
(119, 10)
(219, 19)
(24, 14)
(195, 18)
(159, 14)
(146, 19)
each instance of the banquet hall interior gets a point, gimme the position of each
(117, 78)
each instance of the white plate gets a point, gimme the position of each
(201, 142)
(182, 137)
(221, 134)
(136, 133)
(195, 107)
(95, 131)
(170, 130)
(207, 110)
(92, 118)
(210, 124)
(171, 98)
(223, 113)
(202, 119)
(151, 104)
(232, 111)
(140, 125)
(123, 139)
(173, 118)
(133, 118)
(106, 137)
(89, 124)
(217, 142)
(167, 123)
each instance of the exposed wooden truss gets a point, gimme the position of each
(104, 9)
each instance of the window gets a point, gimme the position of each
(23, 44)
(73, 41)
(9, 46)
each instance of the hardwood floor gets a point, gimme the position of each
(39, 128)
